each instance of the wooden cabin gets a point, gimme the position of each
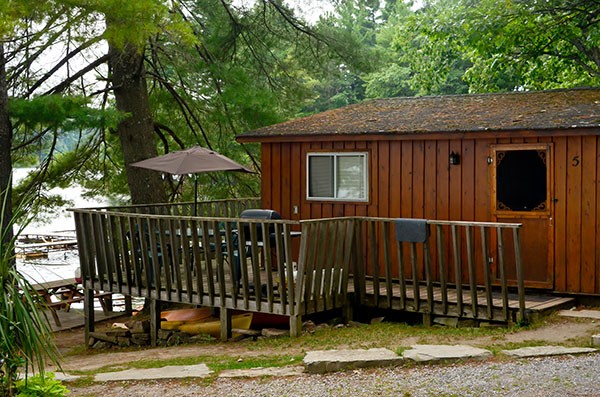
(480, 207)
(521, 157)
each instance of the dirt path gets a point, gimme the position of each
(558, 331)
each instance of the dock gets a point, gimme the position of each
(30, 246)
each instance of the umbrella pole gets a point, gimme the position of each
(195, 193)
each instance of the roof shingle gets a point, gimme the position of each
(537, 110)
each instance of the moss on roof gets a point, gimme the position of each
(538, 110)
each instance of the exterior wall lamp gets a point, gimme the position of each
(454, 158)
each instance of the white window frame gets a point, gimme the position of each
(335, 155)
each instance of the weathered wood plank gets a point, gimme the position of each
(442, 266)
(401, 273)
(457, 265)
(471, 267)
(486, 270)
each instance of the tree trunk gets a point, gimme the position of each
(5, 157)
(136, 132)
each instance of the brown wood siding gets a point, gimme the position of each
(560, 213)
(573, 212)
(588, 213)
(597, 221)
(413, 179)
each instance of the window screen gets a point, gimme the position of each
(521, 180)
(337, 176)
(320, 176)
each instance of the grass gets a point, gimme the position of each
(215, 363)
(384, 334)
(398, 337)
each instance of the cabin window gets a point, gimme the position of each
(337, 176)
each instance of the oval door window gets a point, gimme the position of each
(521, 180)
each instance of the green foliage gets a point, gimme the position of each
(25, 336)
(392, 81)
(57, 111)
(501, 46)
(369, 66)
(247, 73)
(41, 385)
(61, 135)
(14, 13)
(426, 45)
(133, 21)
(351, 32)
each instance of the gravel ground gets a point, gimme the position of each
(549, 376)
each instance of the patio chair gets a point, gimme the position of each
(138, 249)
(258, 214)
(237, 271)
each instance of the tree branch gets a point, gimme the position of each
(65, 83)
(60, 64)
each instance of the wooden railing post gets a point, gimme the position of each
(502, 270)
(442, 268)
(289, 270)
(372, 238)
(457, 268)
(401, 274)
(428, 276)
(471, 267)
(358, 262)
(385, 235)
(349, 243)
(486, 272)
(519, 270)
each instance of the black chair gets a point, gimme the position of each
(259, 214)
(149, 253)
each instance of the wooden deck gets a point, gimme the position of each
(437, 268)
(536, 304)
(225, 263)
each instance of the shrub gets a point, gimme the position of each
(41, 385)
(25, 336)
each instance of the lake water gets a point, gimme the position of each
(60, 264)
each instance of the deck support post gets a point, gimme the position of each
(128, 305)
(88, 313)
(154, 320)
(295, 326)
(347, 311)
(225, 316)
(428, 319)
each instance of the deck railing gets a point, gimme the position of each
(226, 208)
(325, 258)
(455, 271)
(245, 264)
(461, 269)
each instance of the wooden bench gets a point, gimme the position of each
(68, 291)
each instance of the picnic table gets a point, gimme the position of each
(66, 292)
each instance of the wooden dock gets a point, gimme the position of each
(39, 245)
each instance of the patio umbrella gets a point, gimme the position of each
(191, 161)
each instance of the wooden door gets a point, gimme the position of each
(522, 192)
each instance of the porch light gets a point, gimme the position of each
(454, 158)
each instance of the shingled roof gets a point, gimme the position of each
(540, 110)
